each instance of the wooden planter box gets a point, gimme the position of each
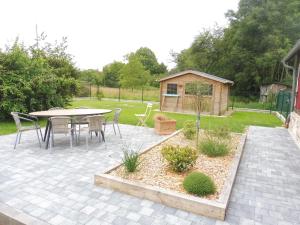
(163, 127)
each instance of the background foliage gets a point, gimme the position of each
(250, 50)
(35, 78)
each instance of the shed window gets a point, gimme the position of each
(205, 89)
(172, 89)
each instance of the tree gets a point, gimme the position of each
(111, 73)
(92, 77)
(133, 74)
(149, 61)
(198, 90)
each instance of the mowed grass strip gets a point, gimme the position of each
(237, 122)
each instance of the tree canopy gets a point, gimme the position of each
(133, 74)
(250, 50)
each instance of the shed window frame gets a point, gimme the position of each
(172, 88)
(209, 93)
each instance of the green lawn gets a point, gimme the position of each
(237, 122)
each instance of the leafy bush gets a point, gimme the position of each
(35, 78)
(199, 184)
(130, 160)
(213, 147)
(180, 158)
(189, 129)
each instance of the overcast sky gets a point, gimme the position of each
(101, 31)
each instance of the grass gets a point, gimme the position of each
(237, 122)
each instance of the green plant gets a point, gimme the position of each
(130, 160)
(199, 184)
(189, 129)
(213, 147)
(180, 159)
(220, 132)
(100, 95)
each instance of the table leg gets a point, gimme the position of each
(46, 130)
(48, 135)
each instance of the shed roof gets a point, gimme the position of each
(197, 73)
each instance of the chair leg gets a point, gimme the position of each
(71, 140)
(114, 129)
(38, 135)
(119, 130)
(87, 140)
(41, 134)
(17, 140)
(52, 139)
(102, 133)
(20, 134)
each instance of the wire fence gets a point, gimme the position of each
(141, 94)
(280, 102)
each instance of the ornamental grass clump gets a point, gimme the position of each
(130, 160)
(213, 147)
(199, 184)
(180, 159)
(189, 129)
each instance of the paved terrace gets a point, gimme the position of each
(57, 187)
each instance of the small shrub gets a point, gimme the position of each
(199, 184)
(213, 148)
(180, 159)
(189, 129)
(130, 160)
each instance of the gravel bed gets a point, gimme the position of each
(154, 170)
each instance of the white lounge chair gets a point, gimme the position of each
(142, 118)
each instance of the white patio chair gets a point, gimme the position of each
(60, 125)
(142, 118)
(114, 122)
(95, 124)
(18, 117)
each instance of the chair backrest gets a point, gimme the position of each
(55, 108)
(17, 120)
(95, 122)
(60, 124)
(117, 115)
(148, 109)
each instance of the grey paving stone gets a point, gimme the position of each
(57, 187)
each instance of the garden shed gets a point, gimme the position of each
(175, 96)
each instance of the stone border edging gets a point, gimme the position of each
(210, 208)
(11, 216)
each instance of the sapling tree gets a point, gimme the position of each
(198, 90)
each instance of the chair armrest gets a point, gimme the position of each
(28, 116)
(26, 119)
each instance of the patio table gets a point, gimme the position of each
(65, 112)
